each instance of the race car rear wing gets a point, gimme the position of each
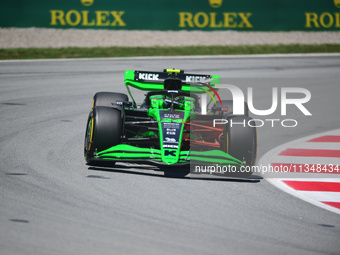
(152, 81)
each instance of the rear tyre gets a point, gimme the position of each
(104, 127)
(107, 98)
(240, 141)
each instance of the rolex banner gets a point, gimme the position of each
(243, 15)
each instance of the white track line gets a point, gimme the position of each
(322, 196)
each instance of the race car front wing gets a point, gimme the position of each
(128, 153)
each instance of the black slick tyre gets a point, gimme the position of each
(104, 127)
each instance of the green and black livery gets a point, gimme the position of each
(168, 127)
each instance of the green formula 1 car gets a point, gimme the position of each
(170, 127)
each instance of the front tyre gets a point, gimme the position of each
(104, 127)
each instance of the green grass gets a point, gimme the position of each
(32, 53)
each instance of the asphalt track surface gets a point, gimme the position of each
(52, 203)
